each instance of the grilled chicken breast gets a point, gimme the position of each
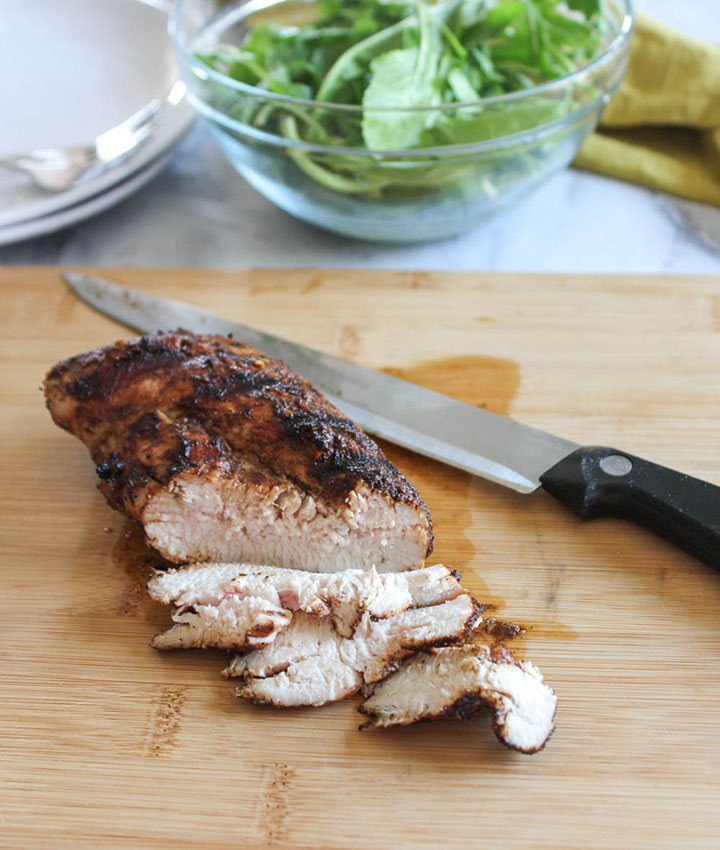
(459, 681)
(242, 606)
(225, 455)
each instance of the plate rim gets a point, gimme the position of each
(176, 121)
(98, 203)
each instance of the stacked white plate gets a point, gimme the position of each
(71, 71)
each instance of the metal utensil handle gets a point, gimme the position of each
(600, 481)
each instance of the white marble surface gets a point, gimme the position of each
(198, 212)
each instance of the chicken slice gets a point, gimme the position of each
(311, 663)
(342, 596)
(458, 682)
(306, 637)
(317, 680)
(231, 624)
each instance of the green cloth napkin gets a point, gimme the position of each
(662, 128)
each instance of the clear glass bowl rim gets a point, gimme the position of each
(203, 71)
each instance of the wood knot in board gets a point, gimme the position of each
(714, 309)
(348, 341)
(419, 280)
(164, 723)
(314, 283)
(555, 580)
(275, 802)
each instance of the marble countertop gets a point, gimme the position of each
(198, 212)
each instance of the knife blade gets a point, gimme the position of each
(591, 481)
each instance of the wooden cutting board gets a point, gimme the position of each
(106, 743)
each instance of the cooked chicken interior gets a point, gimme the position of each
(458, 681)
(242, 606)
(307, 638)
(231, 624)
(310, 663)
(225, 455)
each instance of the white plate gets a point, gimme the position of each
(72, 215)
(78, 68)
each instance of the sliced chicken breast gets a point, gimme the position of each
(230, 606)
(311, 638)
(310, 663)
(340, 595)
(459, 682)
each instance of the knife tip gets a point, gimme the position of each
(72, 279)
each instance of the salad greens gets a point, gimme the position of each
(389, 57)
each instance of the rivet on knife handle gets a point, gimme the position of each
(597, 481)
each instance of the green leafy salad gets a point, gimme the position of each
(387, 59)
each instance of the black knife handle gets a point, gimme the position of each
(597, 481)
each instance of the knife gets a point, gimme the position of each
(591, 481)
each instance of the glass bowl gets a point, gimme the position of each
(513, 143)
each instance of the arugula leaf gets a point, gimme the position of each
(475, 124)
(587, 7)
(462, 87)
(405, 79)
(504, 15)
(395, 83)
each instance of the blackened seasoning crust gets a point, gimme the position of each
(225, 454)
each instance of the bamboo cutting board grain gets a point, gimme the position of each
(106, 743)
